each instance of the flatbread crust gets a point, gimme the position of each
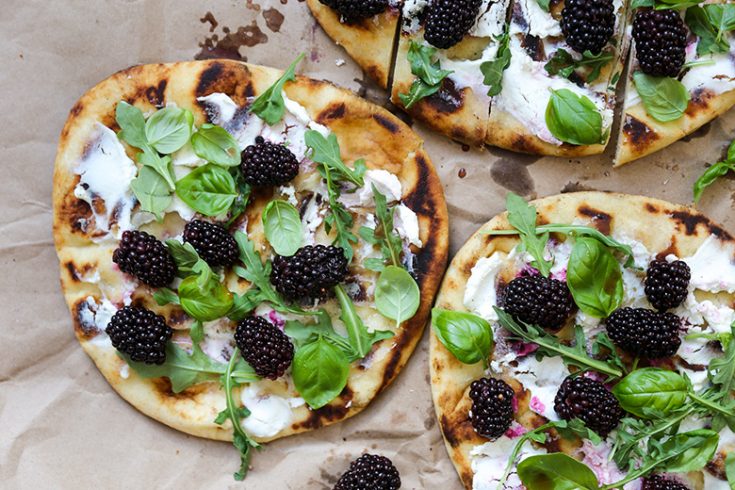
(364, 130)
(678, 229)
(641, 135)
(370, 42)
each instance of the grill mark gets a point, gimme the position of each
(690, 222)
(386, 123)
(156, 94)
(333, 112)
(638, 133)
(328, 413)
(600, 219)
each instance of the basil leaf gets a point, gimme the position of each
(544, 4)
(578, 230)
(169, 129)
(522, 216)
(216, 145)
(269, 106)
(152, 192)
(730, 469)
(327, 152)
(666, 99)
(722, 18)
(360, 339)
(185, 256)
(594, 278)
(165, 296)
(397, 296)
(182, 369)
(562, 63)
(428, 73)
(710, 176)
(209, 190)
(468, 337)
(690, 451)
(162, 166)
(556, 471)
(202, 296)
(283, 229)
(132, 125)
(493, 70)
(319, 372)
(660, 389)
(574, 118)
(635, 4)
(731, 152)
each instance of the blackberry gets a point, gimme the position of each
(212, 242)
(588, 400)
(264, 346)
(353, 11)
(538, 300)
(311, 273)
(370, 472)
(140, 334)
(658, 482)
(146, 258)
(667, 283)
(448, 21)
(267, 164)
(588, 24)
(660, 41)
(645, 332)
(492, 407)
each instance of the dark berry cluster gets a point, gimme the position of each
(352, 11)
(311, 273)
(492, 407)
(370, 472)
(140, 333)
(212, 242)
(449, 21)
(267, 164)
(264, 346)
(660, 41)
(658, 482)
(539, 301)
(588, 400)
(146, 258)
(588, 24)
(667, 283)
(645, 332)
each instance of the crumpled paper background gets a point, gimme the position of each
(62, 426)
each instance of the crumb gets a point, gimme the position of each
(340, 62)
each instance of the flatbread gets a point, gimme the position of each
(89, 278)
(370, 42)
(678, 230)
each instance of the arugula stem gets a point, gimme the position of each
(348, 311)
(232, 412)
(712, 406)
(517, 449)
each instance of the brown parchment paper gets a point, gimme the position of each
(61, 425)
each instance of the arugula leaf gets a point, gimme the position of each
(184, 255)
(710, 176)
(665, 99)
(574, 118)
(360, 339)
(522, 216)
(544, 4)
(550, 345)
(384, 235)
(270, 106)
(562, 63)
(730, 469)
(603, 347)
(339, 219)
(326, 151)
(493, 70)
(429, 75)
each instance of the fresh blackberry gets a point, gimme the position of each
(370, 472)
(658, 482)
(212, 242)
(660, 41)
(538, 300)
(264, 346)
(140, 333)
(583, 398)
(311, 273)
(448, 21)
(146, 258)
(667, 283)
(353, 11)
(492, 407)
(588, 24)
(645, 332)
(267, 164)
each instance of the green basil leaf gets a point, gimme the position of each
(184, 255)
(594, 278)
(182, 369)
(666, 99)
(699, 23)
(397, 296)
(132, 125)
(574, 118)
(690, 451)
(269, 106)
(162, 166)
(169, 129)
(522, 216)
(327, 152)
(428, 73)
(722, 18)
(283, 229)
(468, 337)
(205, 299)
(152, 192)
(710, 176)
(493, 70)
(656, 388)
(730, 469)
(544, 4)
(556, 471)
(579, 230)
(165, 296)
(319, 372)
(360, 338)
(209, 190)
(216, 145)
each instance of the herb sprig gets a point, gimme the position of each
(493, 70)
(562, 63)
(429, 75)
(713, 173)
